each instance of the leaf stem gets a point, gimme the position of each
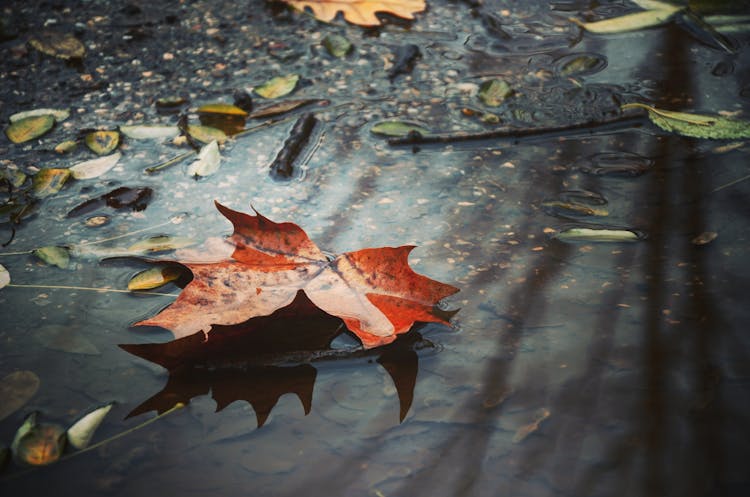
(22, 252)
(731, 183)
(170, 162)
(88, 288)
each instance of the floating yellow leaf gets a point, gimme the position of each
(149, 131)
(29, 128)
(49, 181)
(102, 142)
(361, 12)
(59, 114)
(154, 278)
(206, 134)
(221, 108)
(630, 22)
(695, 125)
(278, 87)
(81, 432)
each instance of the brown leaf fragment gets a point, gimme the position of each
(524, 431)
(61, 45)
(361, 12)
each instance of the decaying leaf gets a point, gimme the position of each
(631, 22)
(49, 181)
(102, 142)
(221, 108)
(154, 278)
(15, 390)
(66, 146)
(494, 92)
(208, 161)
(278, 86)
(29, 128)
(337, 45)
(149, 131)
(54, 256)
(695, 125)
(95, 167)
(374, 291)
(61, 45)
(59, 114)
(82, 431)
(398, 128)
(524, 431)
(597, 235)
(38, 444)
(361, 12)
(206, 134)
(705, 238)
(4, 278)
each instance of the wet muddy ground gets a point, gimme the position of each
(602, 369)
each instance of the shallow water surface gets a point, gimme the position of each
(570, 368)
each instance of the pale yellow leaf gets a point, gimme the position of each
(361, 12)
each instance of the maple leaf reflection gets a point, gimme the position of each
(260, 360)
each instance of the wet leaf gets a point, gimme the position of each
(524, 431)
(29, 128)
(149, 131)
(15, 391)
(581, 64)
(49, 181)
(208, 161)
(59, 114)
(337, 45)
(278, 87)
(95, 167)
(96, 221)
(54, 256)
(38, 444)
(571, 209)
(705, 238)
(361, 12)
(4, 278)
(206, 134)
(494, 92)
(66, 146)
(695, 125)
(66, 338)
(397, 128)
(14, 176)
(82, 431)
(282, 107)
(102, 142)
(154, 278)
(60, 45)
(170, 102)
(221, 108)
(597, 235)
(160, 243)
(630, 22)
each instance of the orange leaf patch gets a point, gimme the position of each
(374, 291)
(361, 12)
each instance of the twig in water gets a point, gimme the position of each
(282, 166)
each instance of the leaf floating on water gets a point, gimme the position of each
(705, 238)
(337, 45)
(695, 125)
(66, 146)
(38, 444)
(82, 431)
(221, 108)
(149, 131)
(60, 45)
(59, 114)
(4, 281)
(494, 92)
(397, 128)
(571, 209)
(282, 107)
(154, 278)
(54, 256)
(15, 391)
(102, 142)
(206, 134)
(65, 338)
(278, 86)
(524, 431)
(49, 181)
(161, 243)
(630, 22)
(581, 64)
(96, 221)
(172, 102)
(95, 167)
(29, 128)
(360, 12)
(597, 235)
(208, 161)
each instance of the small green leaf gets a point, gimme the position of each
(4, 278)
(95, 167)
(221, 108)
(59, 114)
(49, 181)
(29, 128)
(160, 243)
(337, 45)
(154, 278)
(494, 92)
(102, 142)
(82, 431)
(630, 22)
(149, 131)
(66, 147)
(54, 256)
(16, 389)
(397, 128)
(597, 235)
(206, 134)
(278, 87)
(208, 161)
(695, 125)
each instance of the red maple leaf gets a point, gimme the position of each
(374, 291)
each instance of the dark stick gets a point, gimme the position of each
(618, 122)
(282, 166)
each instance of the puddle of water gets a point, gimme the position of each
(586, 369)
